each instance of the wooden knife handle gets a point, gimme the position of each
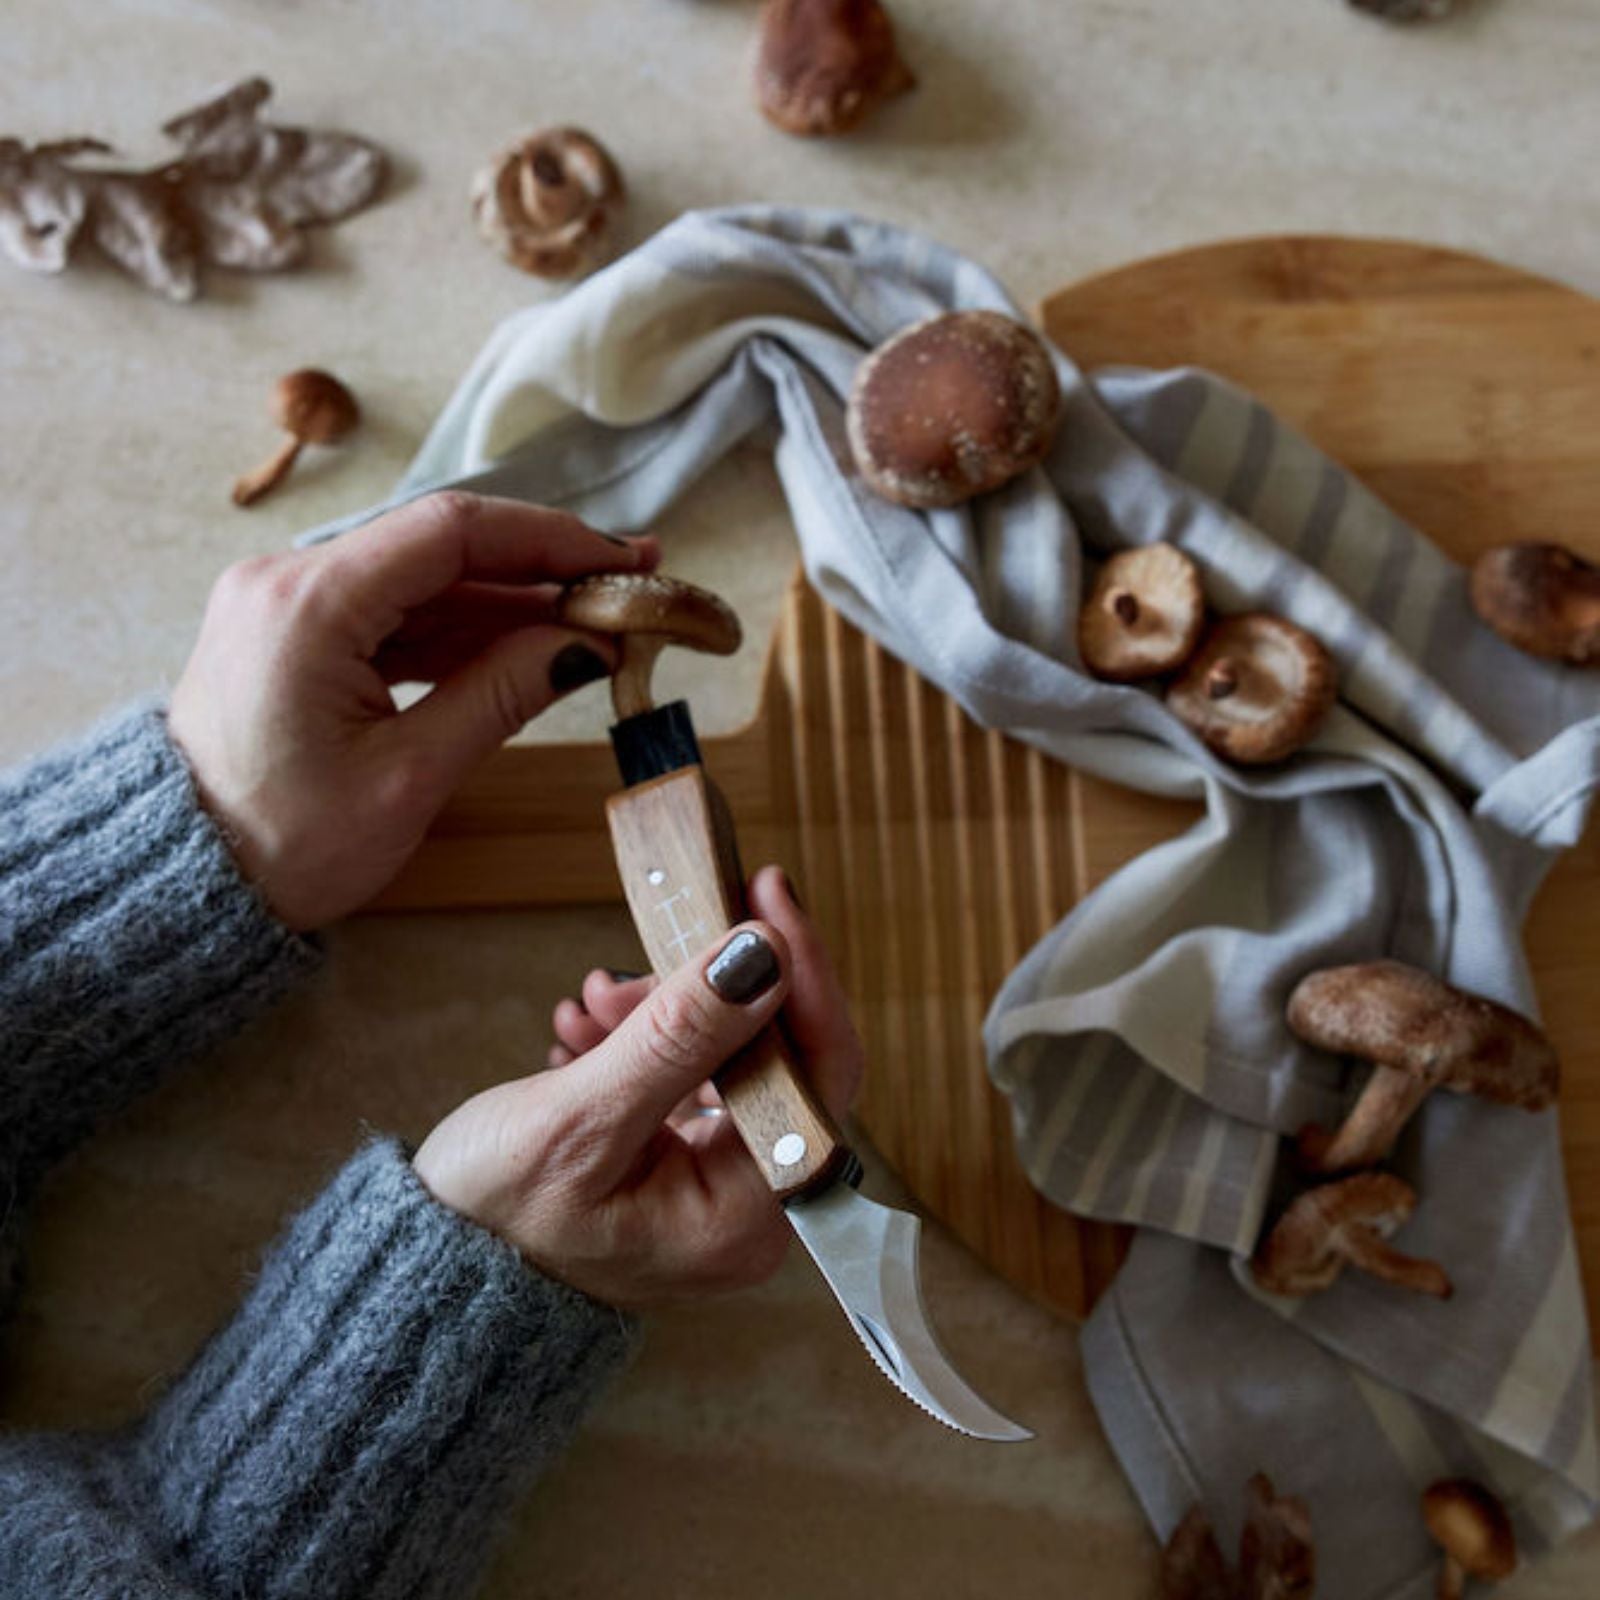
(680, 870)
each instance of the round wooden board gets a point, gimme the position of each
(1467, 395)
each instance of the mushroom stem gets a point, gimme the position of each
(1125, 604)
(1369, 1132)
(1452, 1579)
(1367, 1249)
(630, 687)
(1222, 680)
(253, 485)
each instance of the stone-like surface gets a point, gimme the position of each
(1050, 141)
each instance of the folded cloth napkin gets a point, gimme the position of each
(1142, 1041)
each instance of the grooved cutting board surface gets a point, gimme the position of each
(934, 853)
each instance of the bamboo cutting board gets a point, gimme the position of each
(934, 853)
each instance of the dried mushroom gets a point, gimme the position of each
(1471, 1527)
(1542, 598)
(650, 612)
(952, 407)
(1406, 10)
(823, 65)
(312, 407)
(1420, 1034)
(239, 195)
(1345, 1224)
(549, 203)
(1277, 1560)
(1256, 690)
(1143, 616)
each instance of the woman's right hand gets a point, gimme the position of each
(601, 1172)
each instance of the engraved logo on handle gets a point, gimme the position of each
(682, 937)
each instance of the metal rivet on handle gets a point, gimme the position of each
(790, 1150)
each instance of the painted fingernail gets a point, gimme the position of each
(743, 969)
(793, 893)
(574, 666)
(611, 538)
(617, 975)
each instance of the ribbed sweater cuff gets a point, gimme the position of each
(128, 939)
(394, 1378)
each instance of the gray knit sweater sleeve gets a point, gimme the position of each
(395, 1375)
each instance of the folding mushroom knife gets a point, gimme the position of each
(679, 862)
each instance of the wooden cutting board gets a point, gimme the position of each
(1465, 393)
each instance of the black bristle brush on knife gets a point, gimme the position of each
(679, 862)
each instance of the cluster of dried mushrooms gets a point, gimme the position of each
(1254, 687)
(241, 194)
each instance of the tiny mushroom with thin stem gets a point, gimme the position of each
(1256, 690)
(1345, 1224)
(1420, 1034)
(1143, 616)
(1471, 1526)
(649, 611)
(312, 407)
(1542, 598)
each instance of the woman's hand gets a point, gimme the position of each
(604, 1171)
(284, 713)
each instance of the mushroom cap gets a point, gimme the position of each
(1470, 1524)
(823, 65)
(1407, 1019)
(314, 406)
(1192, 1567)
(647, 602)
(1144, 614)
(1543, 598)
(951, 407)
(1300, 1255)
(548, 202)
(1277, 1556)
(1257, 688)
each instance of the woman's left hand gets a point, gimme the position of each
(323, 787)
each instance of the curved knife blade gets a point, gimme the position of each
(868, 1254)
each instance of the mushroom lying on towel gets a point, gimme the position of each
(1542, 598)
(1345, 1224)
(650, 612)
(1143, 616)
(1256, 690)
(952, 407)
(1420, 1034)
(1277, 1560)
(1471, 1526)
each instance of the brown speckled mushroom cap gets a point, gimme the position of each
(1257, 688)
(1345, 1224)
(650, 611)
(1542, 598)
(1410, 1021)
(548, 203)
(1471, 1526)
(952, 407)
(1143, 616)
(823, 65)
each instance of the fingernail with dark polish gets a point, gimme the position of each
(793, 893)
(617, 975)
(611, 538)
(574, 666)
(743, 969)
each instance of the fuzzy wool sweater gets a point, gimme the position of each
(395, 1376)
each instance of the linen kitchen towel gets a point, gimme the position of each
(1142, 1041)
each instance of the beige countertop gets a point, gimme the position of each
(752, 1448)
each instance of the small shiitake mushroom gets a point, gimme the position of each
(1420, 1034)
(1256, 690)
(952, 407)
(312, 407)
(1471, 1527)
(1143, 616)
(548, 203)
(649, 611)
(1543, 598)
(1345, 1224)
(823, 65)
